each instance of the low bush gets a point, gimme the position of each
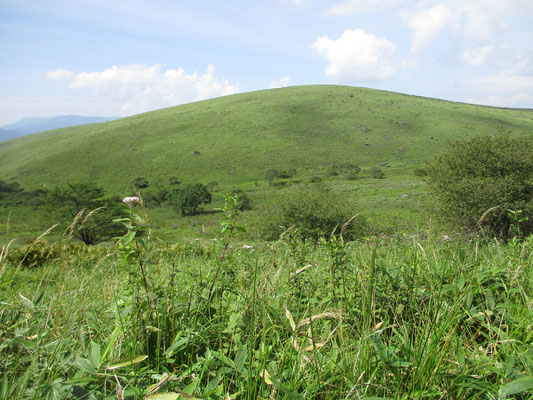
(487, 183)
(311, 213)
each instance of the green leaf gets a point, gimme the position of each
(129, 237)
(516, 386)
(26, 302)
(83, 363)
(240, 358)
(126, 362)
(164, 396)
(212, 384)
(94, 355)
(110, 343)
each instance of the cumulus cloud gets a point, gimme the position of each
(281, 83)
(512, 87)
(139, 88)
(427, 24)
(477, 55)
(357, 56)
(60, 74)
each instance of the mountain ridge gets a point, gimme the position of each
(30, 125)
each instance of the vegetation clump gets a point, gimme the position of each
(486, 183)
(84, 209)
(311, 213)
(189, 198)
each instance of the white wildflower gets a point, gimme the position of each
(131, 200)
(246, 247)
(446, 238)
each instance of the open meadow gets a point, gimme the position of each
(314, 242)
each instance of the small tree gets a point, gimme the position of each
(189, 198)
(140, 183)
(271, 175)
(482, 181)
(93, 225)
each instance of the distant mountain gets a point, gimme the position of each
(6, 134)
(28, 126)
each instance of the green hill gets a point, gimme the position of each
(235, 139)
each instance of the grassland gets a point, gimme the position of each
(234, 140)
(376, 319)
(194, 308)
(239, 137)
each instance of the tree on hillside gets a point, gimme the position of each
(84, 207)
(189, 198)
(487, 183)
(140, 183)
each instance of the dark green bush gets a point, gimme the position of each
(88, 213)
(420, 172)
(376, 173)
(140, 183)
(155, 198)
(189, 198)
(312, 212)
(245, 203)
(346, 170)
(487, 173)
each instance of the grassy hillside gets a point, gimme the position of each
(235, 139)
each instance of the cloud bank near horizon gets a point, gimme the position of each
(133, 89)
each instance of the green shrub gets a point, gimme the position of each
(376, 173)
(84, 209)
(140, 183)
(156, 198)
(420, 172)
(487, 173)
(244, 202)
(312, 212)
(189, 199)
(345, 170)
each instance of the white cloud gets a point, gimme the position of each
(502, 82)
(281, 83)
(520, 100)
(427, 24)
(357, 56)
(348, 7)
(138, 88)
(297, 3)
(477, 55)
(60, 74)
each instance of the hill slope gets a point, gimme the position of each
(237, 138)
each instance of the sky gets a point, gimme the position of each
(124, 57)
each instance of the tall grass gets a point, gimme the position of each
(389, 318)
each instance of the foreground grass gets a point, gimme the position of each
(383, 318)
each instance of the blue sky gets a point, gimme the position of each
(118, 58)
